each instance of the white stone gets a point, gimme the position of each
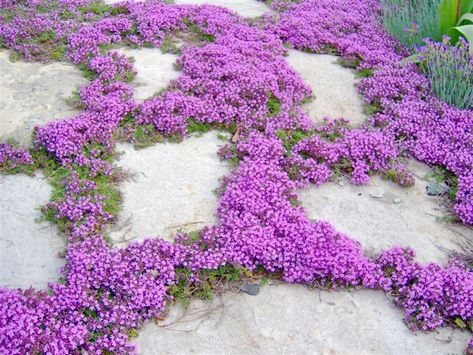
(172, 188)
(28, 249)
(377, 193)
(155, 70)
(292, 319)
(245, 8)
(378, 224)
(34, 94)
(333, 87)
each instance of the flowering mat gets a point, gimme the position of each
(233, 77)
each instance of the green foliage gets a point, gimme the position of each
(201, 35)
(410, 21)
(118, 10)
(58, 52)
(290, 138)
(146, 136)
(12, 169)
(441, 174)
(295, 202)
(450, 72)
(223, 137)
(14, 57)
(364, 73)
(75, 101)
(67, 15)
(88, 74)
(198, 128)
(133, 333)
(456, 19)
(46, 36)
(460, 323)
(449, 219)
(90, 313)
(351, 63)
(371, 109)
(209, 281)
(167, 46)
(273, 105)
(96, 7)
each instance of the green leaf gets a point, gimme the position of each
(447, 11)
(466, 6)
(465, 31)
(467, 18)
(460, 323)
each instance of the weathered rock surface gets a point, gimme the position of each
(333, 87)
(155, 70)
(172, 188)
(28, 249)
(245, 8)
(375, 216)
(33, 94)
(292, 319)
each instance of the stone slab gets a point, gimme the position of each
(333, 86)
(375, 216)
(34, 94)
(292, 319)
(171, 189)
(28, 249)
(155, 70)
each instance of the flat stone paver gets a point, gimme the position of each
(155, 70)
(333, 87)
(171, 190)
(28, 250)
(245, 8)
(34, 94)
(375, 217)
(292, 319)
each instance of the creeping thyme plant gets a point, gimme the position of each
(234, 77)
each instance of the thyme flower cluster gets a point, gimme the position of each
(233, 74)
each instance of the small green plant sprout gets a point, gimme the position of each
(273, 105)
(75, 101)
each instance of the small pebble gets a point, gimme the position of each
(251, 289)
(397, 200)
(436, 189)
(377, 193)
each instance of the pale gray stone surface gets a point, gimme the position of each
(33, 94)
(333, 87)
(171, 188)
(292, 319)
(375, 217)
(155, 70)
(245, 8)
(28, 249)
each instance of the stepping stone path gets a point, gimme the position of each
(171, 188)
(33, 94)
(333, 87)
(28, 249)
(383, 214)
(292, 319)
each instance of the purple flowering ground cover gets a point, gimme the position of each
(233, 77)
